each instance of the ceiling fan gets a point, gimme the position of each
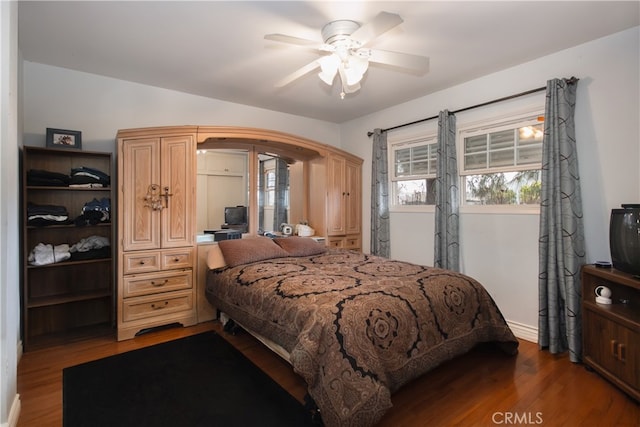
(345, 53)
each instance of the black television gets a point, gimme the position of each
(235, 215)
(624, 238)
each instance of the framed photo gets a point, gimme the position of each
(61, 138)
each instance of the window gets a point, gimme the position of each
(413, 172)
(270, 187)
(501, 162)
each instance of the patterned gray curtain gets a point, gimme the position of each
(561, 242)
(280, 208)
(380, 236)
(446, 246)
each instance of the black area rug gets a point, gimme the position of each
(200, 380)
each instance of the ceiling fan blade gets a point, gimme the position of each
(382, 23)
(415, 63)
(283, 38)
(298, 73)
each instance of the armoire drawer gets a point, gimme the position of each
(345, 242)
(149, 261)
(141, 262)
(335, 242)
(157, 305)
(153, 283)
(177, 258)
(352, 242)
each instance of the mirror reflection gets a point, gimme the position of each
(273, 193)
(225, 194)
(222, 197)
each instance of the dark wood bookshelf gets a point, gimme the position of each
(72, 299)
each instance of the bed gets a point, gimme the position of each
(356, 327)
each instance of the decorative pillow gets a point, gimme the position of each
(215, 259)
(244, 251)
(301, 246)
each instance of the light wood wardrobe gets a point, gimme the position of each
(159, 281)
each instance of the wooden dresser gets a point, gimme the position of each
(611, 332)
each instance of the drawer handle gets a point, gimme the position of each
(176, 259)
(164, 282)
(618, 351)
(158, 307)
(142, 262)
(622, 353)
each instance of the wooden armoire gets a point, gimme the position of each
(158, 279)
(156, 238)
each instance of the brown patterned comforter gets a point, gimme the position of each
(359, 326)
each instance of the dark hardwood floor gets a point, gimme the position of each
(482, 388)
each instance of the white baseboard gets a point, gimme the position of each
(16, 406)
(14, 412)
(522, 331)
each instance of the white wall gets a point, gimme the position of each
(99, 106)
(9, 262)
(501, 251)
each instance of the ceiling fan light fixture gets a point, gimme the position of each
(327, 78)
(355, 69)
(353, 78)
(348, 86)
(351, 88)
(345, 60)
(329, 68)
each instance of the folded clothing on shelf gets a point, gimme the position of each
(44, 254)
(88, 177)
(39, 177)
(41, 215)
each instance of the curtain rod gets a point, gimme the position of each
(506, 98)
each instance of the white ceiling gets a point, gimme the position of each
(217, 49)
